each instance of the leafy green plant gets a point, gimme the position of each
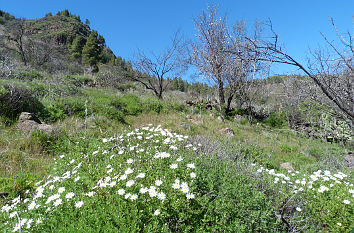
(15, 99)
(276, 120)
(128, 104)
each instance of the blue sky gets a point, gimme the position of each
(149, 25)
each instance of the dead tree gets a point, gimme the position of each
(332, 70)
(221, 55)
(151, 71)
(16, 34)
(209, 52)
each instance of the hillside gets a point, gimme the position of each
(100, 152)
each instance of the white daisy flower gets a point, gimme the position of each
(61, 190)
(57, 202)
(130, 183)
(133, 197)
(190, 196)
(79, 204)
(161, 196)
(158, 182)
(69, 195)
(121, 191)
(346, 202)
(157, 212)
(140, 175)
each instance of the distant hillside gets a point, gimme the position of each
(54, 37)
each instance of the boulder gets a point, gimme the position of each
(227, 131)
(221, 119)
(28, 122)
(193, 120)
(349, 159)
(287, 166)
(26, 116)
(237, 118)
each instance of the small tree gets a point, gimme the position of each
(91, 51)
(15, 33)
(151, 71)
(77, 46)
(209, 52)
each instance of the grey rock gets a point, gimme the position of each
(28, 122)
(227, 131)
(287, 166)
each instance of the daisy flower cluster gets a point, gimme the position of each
(320, 188)
(143, 165)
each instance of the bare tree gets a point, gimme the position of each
(151, 71)
(209, 52)
(222, 56)
(16, 34)
(332, 70)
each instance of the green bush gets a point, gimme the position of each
(80, 80)
(276, 120)
(19, 184)
(153, 105)
(30, 75)
(125, 87)
(128, 104)
(230, 201)
(15, 99)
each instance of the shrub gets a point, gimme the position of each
(30, 75)
(276, 120)
(80, 80)
(15, 99)
(128, 104)
(153, 105)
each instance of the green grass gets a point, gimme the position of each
(230, 194)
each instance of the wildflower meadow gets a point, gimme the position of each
(152, 180)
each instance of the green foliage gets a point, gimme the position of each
(19, 184)
(76, 47)
(128, 104)
(125, 87)
(230, 202)
(153, 105)
(15, 99)
(91, 51)
(276, 120)
(30, 75)
(46, 142)
(80, 80)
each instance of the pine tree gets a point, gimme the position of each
(91, 51)
(77, 47)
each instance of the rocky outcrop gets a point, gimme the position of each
(28, 122)
(227, 131)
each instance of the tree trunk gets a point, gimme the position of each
(229, 100)
(221, 92)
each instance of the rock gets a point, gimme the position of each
(26, 116)
(237, 118)
(186, 125)
(194, 121)
(28, 122)
(349, 159)
(287, 166)
(227, 131)
(221, 118)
